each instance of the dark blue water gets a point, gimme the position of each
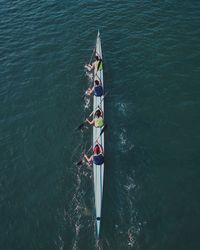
(151, 61)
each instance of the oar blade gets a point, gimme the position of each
(80, 126)
(79, 163)
(103, 129)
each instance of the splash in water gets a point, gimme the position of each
(124, 144)
(87, 102)
(122, 108)
(89, 76)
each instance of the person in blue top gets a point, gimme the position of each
(97, 157)
(97, 89)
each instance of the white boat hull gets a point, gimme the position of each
(98, 170)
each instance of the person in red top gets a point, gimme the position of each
(97, 157)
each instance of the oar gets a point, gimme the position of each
(81, 161)
(83, 123)
(102, 131)
(86, 66)
(92, 55)
(100, 61)
(81, 126)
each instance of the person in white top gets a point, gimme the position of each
(97, 64)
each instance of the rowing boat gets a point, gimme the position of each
(98, 170)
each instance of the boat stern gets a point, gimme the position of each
(98, 227)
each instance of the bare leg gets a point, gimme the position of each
(86, 158)
(88, 91)
(89, 161)
(89, 166)
(88, 67)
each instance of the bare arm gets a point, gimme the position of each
(89, 91)
(89, 160)
(86, 158)
(90, 122)
(92, 90)
(91, 66)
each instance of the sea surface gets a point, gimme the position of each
(151, 55)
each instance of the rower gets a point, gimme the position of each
(97, 64)
(98, 120)
(97, 89)
(97, 157)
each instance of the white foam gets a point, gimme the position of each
(124, 144)
(89, 76)
(131, 237)
(122, 108)
(130, 186)
(87, 103)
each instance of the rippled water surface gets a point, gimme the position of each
(152, 67)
